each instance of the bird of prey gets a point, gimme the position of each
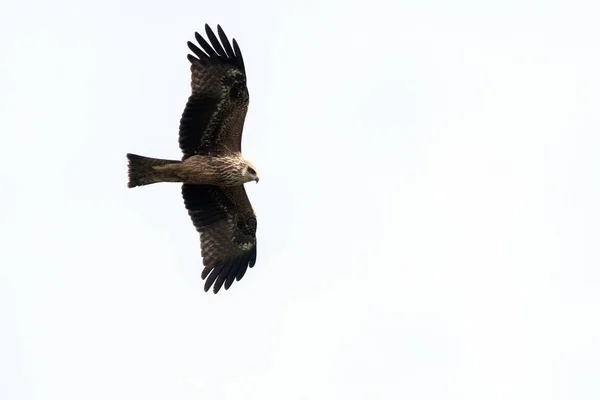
(212, 170)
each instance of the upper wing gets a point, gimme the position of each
(227, 226)
(214, 115)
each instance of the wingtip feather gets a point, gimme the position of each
(196, 50)
(215, 42)
(211, 279)
(253, 256)
(238, 55)
(218, 49)
(225, 40)
(205, 46)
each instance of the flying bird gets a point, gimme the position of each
(212, 170)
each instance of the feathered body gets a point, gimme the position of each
(212, 169)
(226, 170)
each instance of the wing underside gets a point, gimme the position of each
(214, 116)
(227, 226)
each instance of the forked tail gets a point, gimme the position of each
(142, 171)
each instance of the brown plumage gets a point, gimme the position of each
(212, 169)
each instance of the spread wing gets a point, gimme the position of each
(227, 226)
(214, 115)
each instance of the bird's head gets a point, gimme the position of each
(249, 172)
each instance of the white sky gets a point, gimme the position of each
(428, 205)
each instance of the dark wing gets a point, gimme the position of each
(214, 115)
(227, 226)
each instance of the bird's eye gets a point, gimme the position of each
(251, 171)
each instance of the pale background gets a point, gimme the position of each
(428, 211)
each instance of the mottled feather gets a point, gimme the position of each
(214, 116)
(227, 225)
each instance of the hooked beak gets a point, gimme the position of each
(256, 179)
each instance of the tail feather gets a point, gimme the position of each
(142, 172)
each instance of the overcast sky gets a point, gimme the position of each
(428, 209)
